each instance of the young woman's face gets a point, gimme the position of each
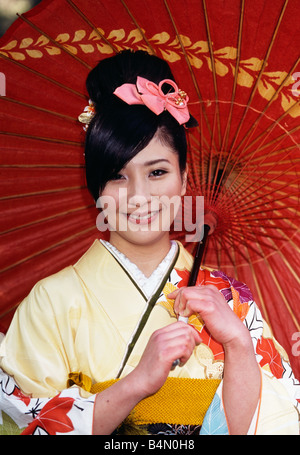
(141, 202)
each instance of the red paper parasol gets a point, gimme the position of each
(239, 63)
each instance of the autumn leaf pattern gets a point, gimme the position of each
(53, 418)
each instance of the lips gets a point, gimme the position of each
(142, 218)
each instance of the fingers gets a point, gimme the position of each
(196, 299)
(210, 305)
(175, 341)
(183, 342)
(179, 330)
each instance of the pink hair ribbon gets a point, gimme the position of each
(151, 95)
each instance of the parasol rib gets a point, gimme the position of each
(212, 59)
(196, 85)
(44, 166)
(274, 97)
(47, 218)
(247, 203)
(60, 46)
(269, 130)
(282, 294)
(216, 112)
(38, 108)
(255, 171)
(287, 263)
(275, 142)
(259, 292)
(266, 131)
(260, 72)
(138, 27)
(277, 153)
(43, 76)
(45, 139)
(248, 234)
(236, 73)
(43, 192)
(44, 250)
(223, 249)
(262, 187)
(84, 17)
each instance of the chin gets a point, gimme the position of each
(143, 238)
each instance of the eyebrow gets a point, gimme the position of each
(160, 160)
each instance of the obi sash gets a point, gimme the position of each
(180, 401)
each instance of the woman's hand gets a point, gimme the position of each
(208, 302)
(240, 366)
(175, 341)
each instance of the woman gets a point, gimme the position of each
(107, 327)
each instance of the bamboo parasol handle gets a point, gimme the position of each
(194, 272)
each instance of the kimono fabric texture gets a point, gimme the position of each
(60, 351)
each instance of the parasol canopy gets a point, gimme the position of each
(238, 60)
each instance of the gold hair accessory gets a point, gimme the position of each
(87, 115)
(181, 98)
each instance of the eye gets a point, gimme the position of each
(158, 173)
(117, 177)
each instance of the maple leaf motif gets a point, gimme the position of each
(216, 348)
(244, 292)
(53, 417)
(185, 275)
(18, 394)
(9, 388)
(240, 309)
(270, 356)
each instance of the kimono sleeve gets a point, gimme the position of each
(279, 407)
(67, 413)
(38, 349)
(35, 360)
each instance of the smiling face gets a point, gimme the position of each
(141, 201)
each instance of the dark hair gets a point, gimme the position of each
(119, 131)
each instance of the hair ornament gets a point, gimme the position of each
(151, 95)
(87, 115)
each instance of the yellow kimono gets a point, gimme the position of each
(86, 325)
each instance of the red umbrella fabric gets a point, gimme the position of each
(239, 63)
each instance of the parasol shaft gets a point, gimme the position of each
(198, 256)
(194, 273)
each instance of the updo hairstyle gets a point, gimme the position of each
(119, 131)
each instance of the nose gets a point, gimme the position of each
(139, 193)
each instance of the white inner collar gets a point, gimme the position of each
(148, 285)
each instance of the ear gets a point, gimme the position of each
(184, 181)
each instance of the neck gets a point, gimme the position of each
(145, 256)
